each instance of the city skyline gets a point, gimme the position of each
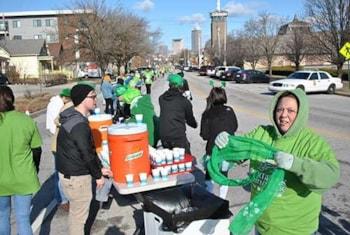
(183, 17)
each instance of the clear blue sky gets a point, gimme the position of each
(176, 18)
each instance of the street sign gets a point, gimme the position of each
(345, 51)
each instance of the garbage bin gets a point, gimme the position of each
(178, 207)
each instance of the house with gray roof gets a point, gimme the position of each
(30, 57)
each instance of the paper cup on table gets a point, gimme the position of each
(129, 179)
(143, 178)
(139, 118)
(164, 172)
(188, 166)
(169, 157)
(182, 153)
(182, 167)
(156, 174)
(176, 154)
(174, 168)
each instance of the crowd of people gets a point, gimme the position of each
(310, 163)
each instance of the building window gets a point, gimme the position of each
(37, 23)
(51, 37)
(3, 25)
(16, 24)
(17, 37)
(50, 22)
(38, 36)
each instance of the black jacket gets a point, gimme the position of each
(217, 119)
(76, 154)
(175, 112)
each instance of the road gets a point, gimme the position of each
(329, 116)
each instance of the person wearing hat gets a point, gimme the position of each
(77, 161)
(175, 113)
(56, 105)
(140, 104)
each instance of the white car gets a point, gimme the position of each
(219, 70)
(309, 81)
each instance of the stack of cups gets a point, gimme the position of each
(129, 179)
(182, 154)
(176, 152)
(164, 172)
(181, 167)
(143, 178)
(156, 174)
(139, 118)
(188, 166)
(169, 157)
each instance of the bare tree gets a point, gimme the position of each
(295, 41)
(110, 34)
(251, 43)
(235, 49)
(331, 22)
(267, 34)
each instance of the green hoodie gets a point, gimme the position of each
(143, 105)
(315, 169)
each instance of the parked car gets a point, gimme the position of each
(210, 71)
(229, 75)
(221, 69)
(309, 81)
(3, 79)
(251, 76)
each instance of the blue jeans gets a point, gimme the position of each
(22, 205)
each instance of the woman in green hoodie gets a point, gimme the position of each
(310, 164)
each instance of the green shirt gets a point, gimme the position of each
(315, 169)
(19, 134)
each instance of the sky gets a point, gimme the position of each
(176, 18)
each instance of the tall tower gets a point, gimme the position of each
(219, 32)
(196, 40)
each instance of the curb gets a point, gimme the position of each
(342, 94)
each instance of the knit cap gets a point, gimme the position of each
(79, 93)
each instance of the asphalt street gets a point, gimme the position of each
(329, 116)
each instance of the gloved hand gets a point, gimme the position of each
(284, 160)
(222, 139)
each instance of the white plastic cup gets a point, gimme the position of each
(164, 172)
(143, 178)
(97, 111)
(139, 118)
(169, 157)
(129, 179)
(163, 158)
(188, 166)
(182, 167)
(182, 153)
(156, 174)
(158, 159)
(176, 154)
(174, 168)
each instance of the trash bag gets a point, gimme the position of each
(179, 206)
(240, 149)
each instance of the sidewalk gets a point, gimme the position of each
(345, 91)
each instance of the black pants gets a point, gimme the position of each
(180, 143)
(148, 88)
(109, 106)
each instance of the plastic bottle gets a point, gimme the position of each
(105, 154)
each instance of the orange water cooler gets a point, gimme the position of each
(128, 147)
(98, 124)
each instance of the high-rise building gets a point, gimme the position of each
(196, 40)
(219, 32)
(177, 45)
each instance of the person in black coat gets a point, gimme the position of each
(216, 118)
(175, 113)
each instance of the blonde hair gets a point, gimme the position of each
(107, 78)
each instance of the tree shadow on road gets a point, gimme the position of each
(328, 226)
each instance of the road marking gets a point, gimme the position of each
(323, 132)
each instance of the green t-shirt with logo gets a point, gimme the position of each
(18, 135)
